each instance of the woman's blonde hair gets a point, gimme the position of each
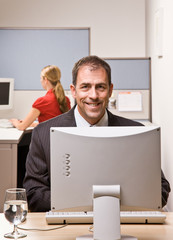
(53, 75)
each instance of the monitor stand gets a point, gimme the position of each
(90, 237)
(106, 209)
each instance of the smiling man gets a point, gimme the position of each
(91, 89)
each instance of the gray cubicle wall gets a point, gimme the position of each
(133, 74)
(24, 52)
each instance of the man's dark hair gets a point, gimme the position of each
(95, 63)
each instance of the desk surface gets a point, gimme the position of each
(70, 232)
(12, 135)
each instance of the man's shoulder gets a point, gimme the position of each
(115, 120)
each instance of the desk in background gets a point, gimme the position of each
(70, 232)
(9, 141)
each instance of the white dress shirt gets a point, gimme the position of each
(81, 122)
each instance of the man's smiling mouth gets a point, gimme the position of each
(93, 104)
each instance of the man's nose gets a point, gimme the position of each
(93, 93)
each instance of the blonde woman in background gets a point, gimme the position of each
(51, 105)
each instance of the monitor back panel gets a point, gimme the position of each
(125, 156)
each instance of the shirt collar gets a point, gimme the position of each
(81, 122)
(49, 91)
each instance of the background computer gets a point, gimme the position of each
(6, 93)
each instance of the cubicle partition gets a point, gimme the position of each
(24, 52)
(131, 78)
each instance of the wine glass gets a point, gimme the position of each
(15, 210)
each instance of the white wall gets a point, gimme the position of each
(162, 81)
(117, 28)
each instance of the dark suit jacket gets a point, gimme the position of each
(37, 178)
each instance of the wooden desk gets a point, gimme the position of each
(37, 220)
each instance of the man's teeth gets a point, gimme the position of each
(93, 104)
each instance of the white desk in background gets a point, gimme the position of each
(10, 135)
(9, 140)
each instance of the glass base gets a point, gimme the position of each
(15, 235)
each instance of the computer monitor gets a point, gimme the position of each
(6, 93)
(125, 156)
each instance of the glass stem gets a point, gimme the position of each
(15, 232)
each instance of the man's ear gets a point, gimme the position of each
(73, 91)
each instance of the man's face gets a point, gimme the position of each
(92, 93)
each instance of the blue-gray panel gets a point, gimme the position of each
(24, 52)
(130, 73)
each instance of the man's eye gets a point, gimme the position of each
(84, 87)
(101, 87)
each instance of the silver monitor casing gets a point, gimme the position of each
(125, 156)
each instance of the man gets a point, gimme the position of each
(91, 89)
